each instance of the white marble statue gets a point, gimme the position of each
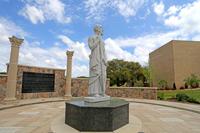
(98, 64)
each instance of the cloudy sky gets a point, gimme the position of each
(132, 28)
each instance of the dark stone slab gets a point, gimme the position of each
(101, 116)
(37, 82)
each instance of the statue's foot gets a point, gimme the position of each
(97, 95)
(100, 95)
(105, 95)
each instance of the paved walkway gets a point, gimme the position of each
(24, 102)
(183, 106)
(144, 118)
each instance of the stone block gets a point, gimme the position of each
(99, 117)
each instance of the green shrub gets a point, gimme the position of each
(139, 83)
(161, 96)
(162, 84)
(193, 81)
(185, 98)
(182, 97)
(192, 100)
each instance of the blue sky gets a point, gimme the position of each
(132, 28)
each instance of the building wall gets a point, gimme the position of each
(174, 62)
(161, 65)
(186, 60)
(59, 83)
(3, 82)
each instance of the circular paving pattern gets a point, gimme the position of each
(144, 118)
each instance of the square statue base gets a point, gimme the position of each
(96, 99)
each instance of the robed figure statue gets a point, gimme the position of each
(98, 64)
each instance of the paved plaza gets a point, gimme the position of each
(144, 118)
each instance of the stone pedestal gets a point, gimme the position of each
(96, 99)
(68, 74)
(12, 69)
(101, 116)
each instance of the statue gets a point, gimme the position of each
(97, 66)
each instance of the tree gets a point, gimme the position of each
(147, 75)
(124, 72)
(3, 73)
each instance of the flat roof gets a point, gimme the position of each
(168, 43)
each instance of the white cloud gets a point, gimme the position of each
(80, 57)
(7, 29)
(114, 51)
(31, 53)
(128, 8)
(138, 48)
(184, 21)
(186, 18)
(131, 49)
(66, 40)
(54, 56)
(80, 49)
(172, 10)
(196, 37)
(96, 9)
(38, 11)
(34, 14)
(159, 8)
(80, 70)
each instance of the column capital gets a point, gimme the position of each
(69, 53)
(15, 41)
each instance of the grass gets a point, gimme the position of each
(195, 93)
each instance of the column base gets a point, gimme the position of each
(67, 96)
(10, 99)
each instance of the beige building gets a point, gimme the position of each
(174, 62)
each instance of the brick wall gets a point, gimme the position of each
(3, 81)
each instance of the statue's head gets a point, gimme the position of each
(98, 29)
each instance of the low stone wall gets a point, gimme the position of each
(133, 92)
(3, 83)
(80, 88)
(59, 83)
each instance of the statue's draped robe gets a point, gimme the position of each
(97, 79)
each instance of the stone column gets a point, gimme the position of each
(68, 74)
(12, 69)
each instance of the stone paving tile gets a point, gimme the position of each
(28, 129)
(28, 113)
(187, 106)
(9, 129)
(170, 120)
(38, 118)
